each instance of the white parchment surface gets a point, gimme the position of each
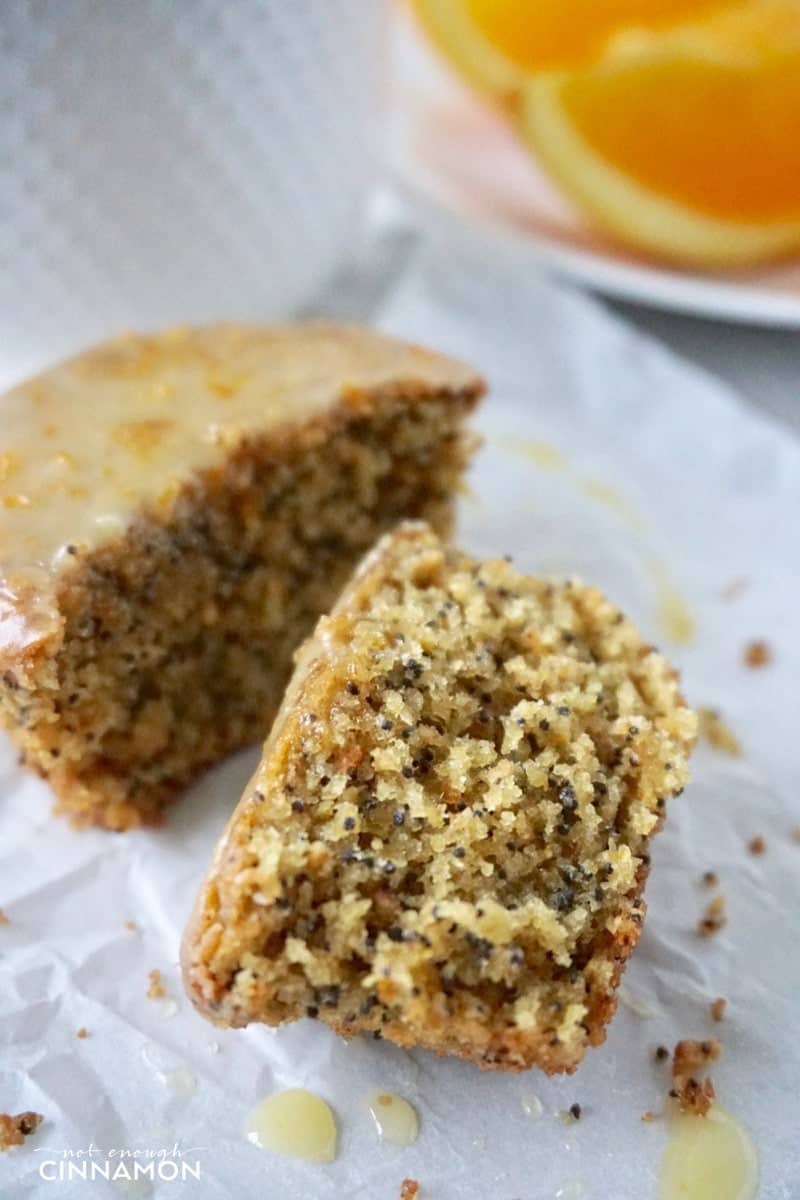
(662, 475)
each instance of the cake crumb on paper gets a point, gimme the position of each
(3, 918)
(713, 919)
(710, 878)
(694, 1097)
(82, 1032)
(757, 845)
(717, 1008)
(156, 990)
(648, 1117)
(757, 654)
(132, 926)
(14, 1130)
(409, 1189)
(717, 733)
(689, 1058)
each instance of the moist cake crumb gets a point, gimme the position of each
(14, 1130)
(757, 654)
(717, 1008)
(689, 1059)
(157, 989)
(757, 845)
(481, 759)
(713, 919)
(710, 878)
(409, 1189)
(82, 1032)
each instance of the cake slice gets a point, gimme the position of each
(175, 513)
(445, 843)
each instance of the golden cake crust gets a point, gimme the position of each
(445, 843)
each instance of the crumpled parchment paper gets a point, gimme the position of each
(654, 482)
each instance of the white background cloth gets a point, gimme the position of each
(711, 492)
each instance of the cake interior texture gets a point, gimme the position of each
(172, 640)
(446, 841)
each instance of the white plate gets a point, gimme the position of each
(460, 162)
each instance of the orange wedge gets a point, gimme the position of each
(685, 143)
(495, 44)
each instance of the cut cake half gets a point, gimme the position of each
(176, 510)
(446, 841)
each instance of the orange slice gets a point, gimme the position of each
(495, 44)
(684, 143)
